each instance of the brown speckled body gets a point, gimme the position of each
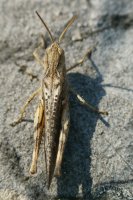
(54, 96)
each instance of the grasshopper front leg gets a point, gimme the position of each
(36, 51)
(62, 139)
(38, 126)
(81, 61)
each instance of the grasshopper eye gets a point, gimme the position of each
(62, 60)
(61, 51)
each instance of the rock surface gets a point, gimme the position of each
(98, 158)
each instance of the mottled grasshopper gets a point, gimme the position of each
(52, 115)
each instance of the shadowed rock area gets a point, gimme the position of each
(98, 159)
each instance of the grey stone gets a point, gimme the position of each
(98, 157)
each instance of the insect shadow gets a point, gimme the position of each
(76, 179)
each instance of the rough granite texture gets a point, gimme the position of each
(98, 160)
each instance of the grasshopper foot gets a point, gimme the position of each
(19, 120)
(33, 169)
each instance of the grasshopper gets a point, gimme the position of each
(52, 119)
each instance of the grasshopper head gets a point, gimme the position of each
(55, 47)
(55, 57)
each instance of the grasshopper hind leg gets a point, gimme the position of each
(38, 126)
(62, 139)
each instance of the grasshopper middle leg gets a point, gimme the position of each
(19, 119)
(87, 104)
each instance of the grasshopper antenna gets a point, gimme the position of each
(69, 23)
(51, 37)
